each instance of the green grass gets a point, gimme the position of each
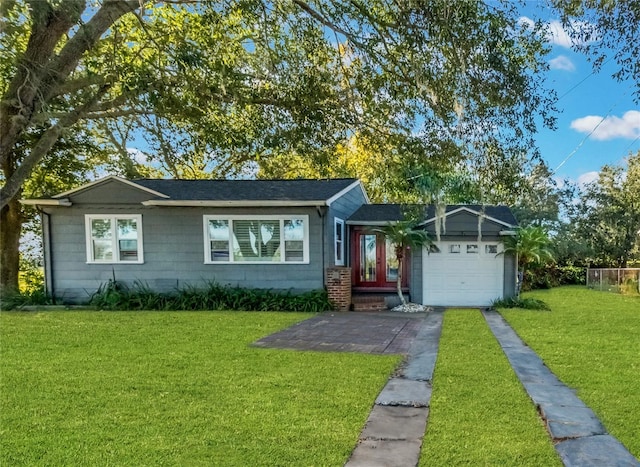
(591, 341)
(480, 414)
(168, 388)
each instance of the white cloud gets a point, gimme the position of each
(587, 178)
(528, 22)
(562, 62)
(557, 35)
(627, 126)
(137, 155)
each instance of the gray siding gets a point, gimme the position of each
(415, 275)
(173, 253)
(342, 208)
(112, 192)
(463, 225)
(510, 275)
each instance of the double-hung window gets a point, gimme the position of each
(256, 239)
(339, 241)
(114, 238)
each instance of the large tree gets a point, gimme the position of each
(607, 217)
(217, 87)
(605, 31)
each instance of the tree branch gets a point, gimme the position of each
(325, 21)
(18, 102)
(42, 147)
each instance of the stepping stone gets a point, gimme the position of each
(405, 392)
(385, 453)
(571, 422)
(595, 451)
(424, 349)
(395, 423)
(542, 393)
(420, 367)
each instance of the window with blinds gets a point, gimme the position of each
(249, 239)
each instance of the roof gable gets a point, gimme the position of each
(378, 214)
(498, 214)
(105, 180)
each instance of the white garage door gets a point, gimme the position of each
(463, 273)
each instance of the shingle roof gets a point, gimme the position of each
(380, 213)
(247, 190)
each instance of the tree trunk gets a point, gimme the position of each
(399, 282)
(10, 229)
(519, 282)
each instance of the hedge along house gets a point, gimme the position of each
(296, 235)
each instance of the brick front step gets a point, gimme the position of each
(368, 303)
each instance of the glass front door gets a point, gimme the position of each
(375, 261)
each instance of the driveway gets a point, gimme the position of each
(376, 333)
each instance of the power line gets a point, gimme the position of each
(592, 131)
(584, 79)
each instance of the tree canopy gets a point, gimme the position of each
(220, 87)
(605, 31)
(607, 217)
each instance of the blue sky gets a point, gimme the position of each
(586, 101)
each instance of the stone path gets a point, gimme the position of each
(394, 430)
(578, 436)
(393, 433)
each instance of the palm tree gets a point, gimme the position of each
(404, 235)
(530, 245)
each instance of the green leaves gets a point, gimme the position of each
(607, 217)
(531, 244)
(114, 295)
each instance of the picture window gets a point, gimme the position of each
(249, 239)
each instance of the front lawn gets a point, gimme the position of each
(175, 388)
(480, 413)
(591, 341)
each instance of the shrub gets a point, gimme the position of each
(114, 295)
(630, 287)
(549, 276)
(30, 297)
(519, 302)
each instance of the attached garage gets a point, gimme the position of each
(466, 269)
(463, 273)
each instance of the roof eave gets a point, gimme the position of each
(347, 190)
(46, 202)
(233, 203)
(371, 223)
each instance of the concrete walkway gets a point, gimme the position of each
(392, 435)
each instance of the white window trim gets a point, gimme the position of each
(338, 222)
(266, 217)
(114, 237)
